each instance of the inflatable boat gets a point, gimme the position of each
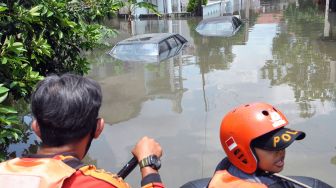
(301, 182)
(297, 181)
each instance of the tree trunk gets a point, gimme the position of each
(198, 10)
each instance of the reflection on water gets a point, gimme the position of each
(127, 85)
(275, 57)
(280, 55)
(333, 160)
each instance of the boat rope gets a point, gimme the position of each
(292, 180)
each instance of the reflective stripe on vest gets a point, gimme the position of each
(50, 173)
(223, 179)
(90, 170)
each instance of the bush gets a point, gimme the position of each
(192, 5)
(8, 119)
(40, 37)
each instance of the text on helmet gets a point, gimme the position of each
(285, 137)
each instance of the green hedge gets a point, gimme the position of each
(39, 37)
(45, 36)
(8, 121)
(192, 5)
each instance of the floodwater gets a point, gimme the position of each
(282, 55)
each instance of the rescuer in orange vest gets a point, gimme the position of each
(65, 110)
(254, 139)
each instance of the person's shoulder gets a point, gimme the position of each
(90, 176)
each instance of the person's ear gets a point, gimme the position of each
(100, 127)
(36, 128)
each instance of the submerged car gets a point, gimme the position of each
(153, 47)
(223, 26)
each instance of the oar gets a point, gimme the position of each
(128, 168)
(291, 180)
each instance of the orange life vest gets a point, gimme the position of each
(223, 179)
(34, 173)
(49, 173)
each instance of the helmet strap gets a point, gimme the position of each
(258, 171)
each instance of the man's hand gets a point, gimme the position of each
(147, 146)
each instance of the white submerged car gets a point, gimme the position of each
(222, 26)
(152, 47)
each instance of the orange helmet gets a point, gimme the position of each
(243, 124)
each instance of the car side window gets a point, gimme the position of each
(172, 42)
(180, 38)
(236, 21)
(177, 41)
(163, 46)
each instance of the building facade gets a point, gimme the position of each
(164, 7)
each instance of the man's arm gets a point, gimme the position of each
(144, 148)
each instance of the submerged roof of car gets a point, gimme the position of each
(147, 38)
(223, 26)
(221, 19)
(218, 19)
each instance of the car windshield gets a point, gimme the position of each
(136, 49)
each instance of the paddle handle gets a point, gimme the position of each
(128, 168)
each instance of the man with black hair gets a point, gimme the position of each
(65, 110)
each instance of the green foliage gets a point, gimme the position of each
(132, 4)
(15, 69)
(333, 160)
(192, 4)
(303, 13)
(40, 37)
(94, 10)
(47, 36)
(8, 120)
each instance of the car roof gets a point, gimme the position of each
(219, 19)
(147, 38)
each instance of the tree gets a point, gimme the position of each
(41, 37)
(196, 6)
(8, 120)
(133, 4)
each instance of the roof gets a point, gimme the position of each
(148, 47)
(219, 19)
(224, 26)
(147, 38)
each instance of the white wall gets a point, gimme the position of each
(139, 11)
(160, 6)
(169, 6)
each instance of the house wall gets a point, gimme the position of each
(139, 11)
(173, 6)
(163, 7)
(160, 6)
(169, 6)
